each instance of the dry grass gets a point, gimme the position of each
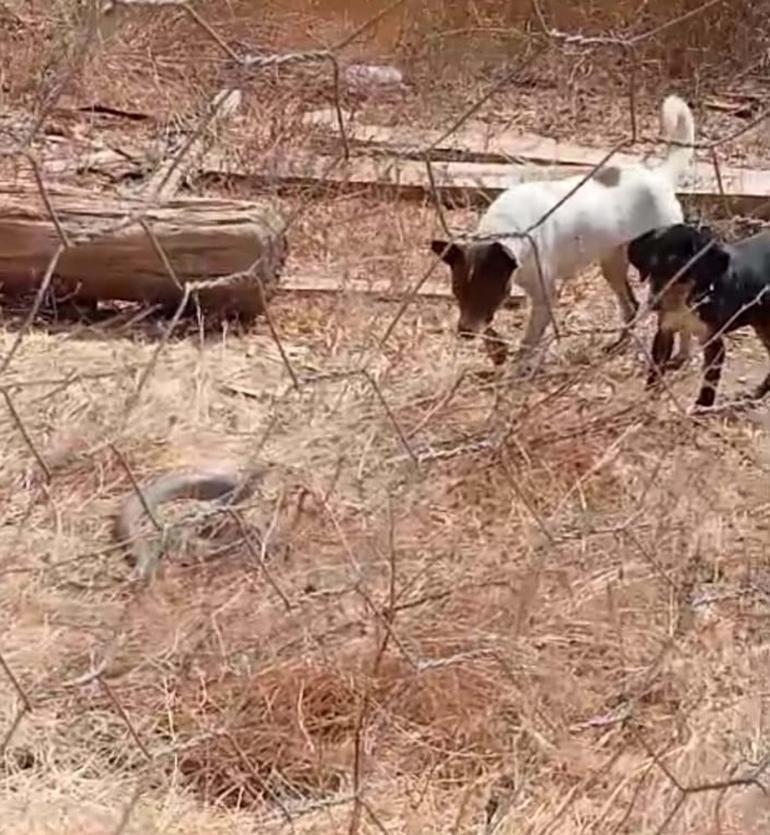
(548, 598)
(457, 622)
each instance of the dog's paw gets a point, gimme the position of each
(617, 345)
(676, 362)
(522, 372)
(729, 408)
(745, 401)
(698, 410)
(485, 375)
(755, 395)
(653, 383)
(524, 366)
(495, 347)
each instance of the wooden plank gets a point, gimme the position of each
(459, 178)
(381, 289)
(74, 161)
(456, 178)
(479, 144)
(565, 158)
(462, 180)
(165, 182)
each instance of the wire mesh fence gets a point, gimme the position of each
(449, 601)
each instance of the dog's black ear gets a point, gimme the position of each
(716, 260)
(702, 237)
(690, 240)
(449, 253)
(639, 252)
(501, 259)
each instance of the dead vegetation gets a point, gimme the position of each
(452, 603)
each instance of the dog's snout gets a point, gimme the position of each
(467, 326)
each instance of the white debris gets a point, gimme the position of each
(373, 78)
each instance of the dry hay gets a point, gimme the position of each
(292, 730)
(434, 621)
(563, 609)
(566, 553)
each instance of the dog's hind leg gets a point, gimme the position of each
(615, 270)
(764, 387)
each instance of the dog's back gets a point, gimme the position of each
(752, 254)
(608, 210)
(748, 277)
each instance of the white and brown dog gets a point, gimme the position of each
(595, 223)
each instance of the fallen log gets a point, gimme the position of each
(110, 255)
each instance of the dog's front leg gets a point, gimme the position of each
(529, 349)
(495, 346)
(662, 346)
(713, 359)
(684, 352)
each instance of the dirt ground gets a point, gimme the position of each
(456, 603)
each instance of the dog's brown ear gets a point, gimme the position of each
(503, 260)
(449, 253)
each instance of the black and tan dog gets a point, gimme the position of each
(707, 288)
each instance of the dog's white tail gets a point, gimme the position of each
(677, 126)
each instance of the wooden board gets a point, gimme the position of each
(169, 175)
(456, 178)
(381, 289)
(465, 181)
(476, 143)
(490, 155)
(459, 178)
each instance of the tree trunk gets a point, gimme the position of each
(111, 256)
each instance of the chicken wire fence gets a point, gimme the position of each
(451, 605)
